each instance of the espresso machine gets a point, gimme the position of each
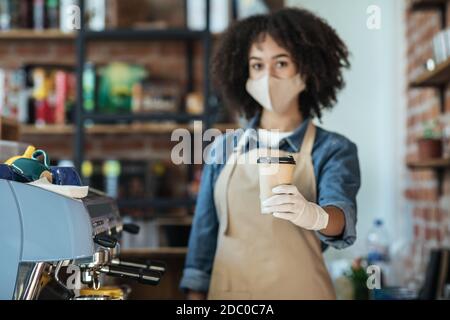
(54, 247)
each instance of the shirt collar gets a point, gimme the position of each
(292, 141)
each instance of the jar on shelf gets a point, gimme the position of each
(446, 142)
(430, 143)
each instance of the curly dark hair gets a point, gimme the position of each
(316, 49)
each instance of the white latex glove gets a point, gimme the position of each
(289, 204)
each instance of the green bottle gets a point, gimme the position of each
(89, 88)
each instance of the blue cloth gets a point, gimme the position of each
(336, 167)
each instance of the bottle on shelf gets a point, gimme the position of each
(52, 14)
(5, 16)
(39, 15)
(111, 173)
(89, 77)
(68, 16)
(61, 96)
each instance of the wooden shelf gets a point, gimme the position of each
(98, 129)
(25, 34)
(174, 221)
(46, 130)
(428, 4)
(429, 164)
(154, 251)
(436, 78)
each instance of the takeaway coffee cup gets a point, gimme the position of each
(274, 171)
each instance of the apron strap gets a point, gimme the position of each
(243, 139)
(221, 187)
(308, 140)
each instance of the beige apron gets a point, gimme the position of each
(259, 256)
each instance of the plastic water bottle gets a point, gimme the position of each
(378, 244)
(378, 251)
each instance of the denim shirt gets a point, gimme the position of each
(336, 167)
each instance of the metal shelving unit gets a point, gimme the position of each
(84, 37)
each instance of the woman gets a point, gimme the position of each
(281, 70)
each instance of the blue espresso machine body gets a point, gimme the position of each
(37, 225)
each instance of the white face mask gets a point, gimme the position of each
(274, 94)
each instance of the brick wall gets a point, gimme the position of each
(428, 209)
(162, 59)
